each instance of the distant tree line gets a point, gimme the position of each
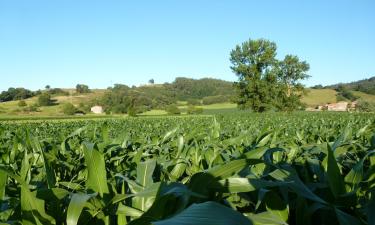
(16, 94)
(365, 85)
(124, 99)
(187, 88)
(13, 94)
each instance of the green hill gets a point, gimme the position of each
(12, 108)
(366, 86)
(316, 97)
(181, 92)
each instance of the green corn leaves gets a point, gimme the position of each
(3, 183)
(96, 173)
(76, 205)
(228, 169)
(335, 180)
(208, 213)
(33, 209)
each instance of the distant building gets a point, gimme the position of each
(339, 106)
(97, 109)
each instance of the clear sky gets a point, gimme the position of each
(99, 43)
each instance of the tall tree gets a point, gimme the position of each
(265, 82)
(291, 72)
(82, 88)
(253, 63)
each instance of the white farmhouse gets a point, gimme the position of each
(97, 109)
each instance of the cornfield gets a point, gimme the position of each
(214, 170)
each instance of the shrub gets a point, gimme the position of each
(173, 110)
(364, 106)
(194, 102)
(31, 108)
(69, 109)
(117, 109)
(194, 110)
(22, 103)
(132, 112)
(86, 108)
(82, 88)
(345, 94)
(215, 99)
(45, 99)
(340, 98)
(319, 86)
(58, 91)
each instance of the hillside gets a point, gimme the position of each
(316, 97)
(12, 108)
(366, 86)
(181, 92)
(118, 97)
(319, 96)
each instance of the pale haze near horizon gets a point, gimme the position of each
(100, 43)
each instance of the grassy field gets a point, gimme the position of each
(316, 97)
(11, 108)
(364, 96)
(154, 112)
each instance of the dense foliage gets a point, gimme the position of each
(172, 109)
(22, 103)
(82, 88)
(57, 92)
(120, 98)
(187, 88)
(45, 99)
(69, 109)
(364, 106)
(235, 169)
(266, 83)
(16, 94)
(344, 94)
(365, 85)
(216, 99)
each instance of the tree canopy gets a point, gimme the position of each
(264, 82)
(82, 88)
(45, 99)
(16, 94)
(121, 98)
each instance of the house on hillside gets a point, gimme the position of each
(97, 109)
(339, 106)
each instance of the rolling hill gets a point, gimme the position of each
(12, 108)
(181, 90)
(366, 85)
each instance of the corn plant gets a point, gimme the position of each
(230, 169)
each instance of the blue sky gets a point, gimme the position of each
(99, 43)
